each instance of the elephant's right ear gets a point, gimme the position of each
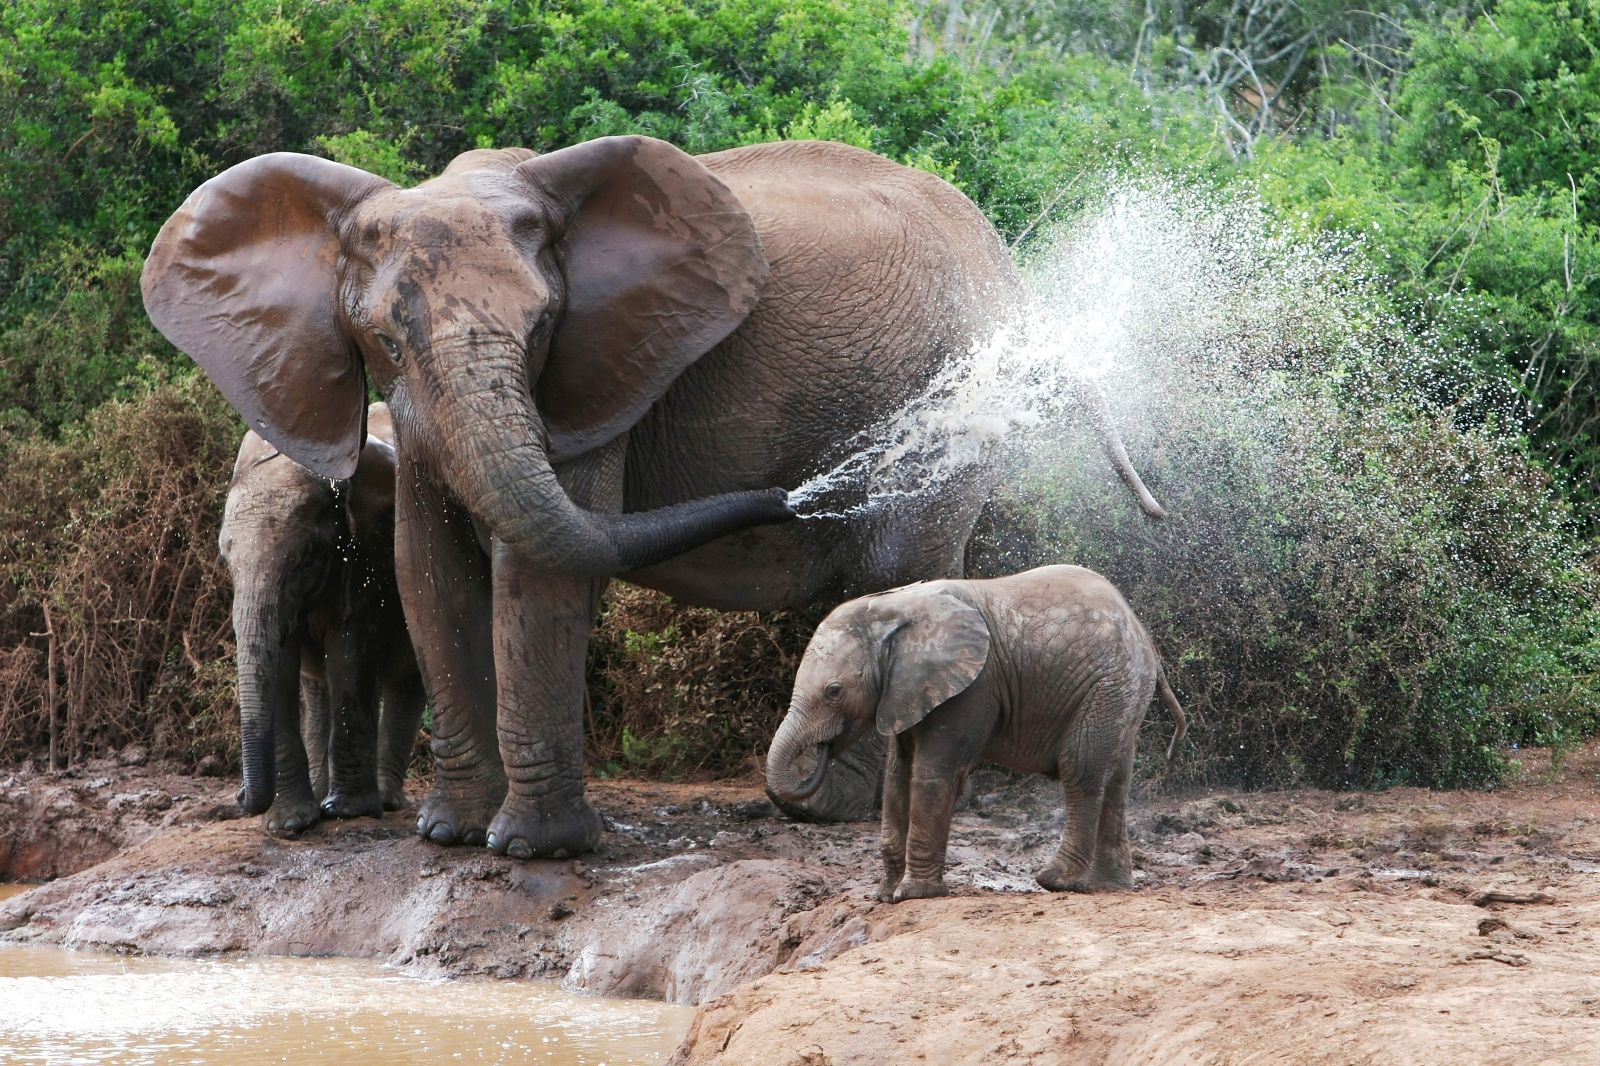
(935, 645)
(244, 278)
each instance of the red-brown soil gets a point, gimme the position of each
(1305, 926)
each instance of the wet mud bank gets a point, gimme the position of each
(695, 890)
(55, 824)
(1397, 926)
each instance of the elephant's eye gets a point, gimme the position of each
(541, 329)
(390, 348)
(833, 690)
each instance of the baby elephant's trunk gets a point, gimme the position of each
(795, 736)
(1177, 714)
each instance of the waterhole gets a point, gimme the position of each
(59, 1006)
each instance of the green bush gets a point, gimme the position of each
(1481, 209)
(114, 110)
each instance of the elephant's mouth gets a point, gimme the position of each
(807, 788)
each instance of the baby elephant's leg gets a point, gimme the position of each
(896, 814)
(1096, 768)
(1068, 870)
(933, 804)
(943, 750)
(1113, 857)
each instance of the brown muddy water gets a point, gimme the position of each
(60, 1006)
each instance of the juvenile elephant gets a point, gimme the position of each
(600, 362)
(1046, 671)
(320, 635)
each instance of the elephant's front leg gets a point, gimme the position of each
(932, 806)
(944, 749)
(294, 808)
(896, 811)
(542, 622)
(444, 587)
(353, 738)
(541, 636)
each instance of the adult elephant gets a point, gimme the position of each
(598, 361)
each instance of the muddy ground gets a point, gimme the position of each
(1306, 926)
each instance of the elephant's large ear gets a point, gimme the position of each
(661, 261)
(243, 278)
(935, 645)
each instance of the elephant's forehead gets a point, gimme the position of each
(421, 220)
(832, 646)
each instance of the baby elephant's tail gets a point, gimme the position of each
(1177, 714)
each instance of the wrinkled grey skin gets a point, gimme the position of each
(321, 640)
(1046, 672)
(543, 447)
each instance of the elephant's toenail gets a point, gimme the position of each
(519, 849)
(562, 853)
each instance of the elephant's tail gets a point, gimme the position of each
(1176, 708)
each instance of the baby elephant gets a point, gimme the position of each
(1047, 671)
(320, 635)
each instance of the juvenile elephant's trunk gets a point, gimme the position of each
(496, 461)
(795, 735)
(268, 678)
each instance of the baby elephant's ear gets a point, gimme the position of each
(935, 650)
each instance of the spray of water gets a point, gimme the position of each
(1361, 576)
(1150, 282)
(1162, 298)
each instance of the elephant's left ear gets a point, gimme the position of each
(661, 261)
(935, 645)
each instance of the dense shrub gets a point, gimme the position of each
(1363, 579)
(108, 565)
(680, 690)
(1316, 636)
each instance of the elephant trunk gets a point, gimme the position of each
(268, 676)
(1111, 442)
(498, 464)
(797, 733)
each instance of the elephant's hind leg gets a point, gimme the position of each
(314, 729)
(1068, 869)
(353, 741)
(1112, 868)
(401, 717)
(294, 808)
